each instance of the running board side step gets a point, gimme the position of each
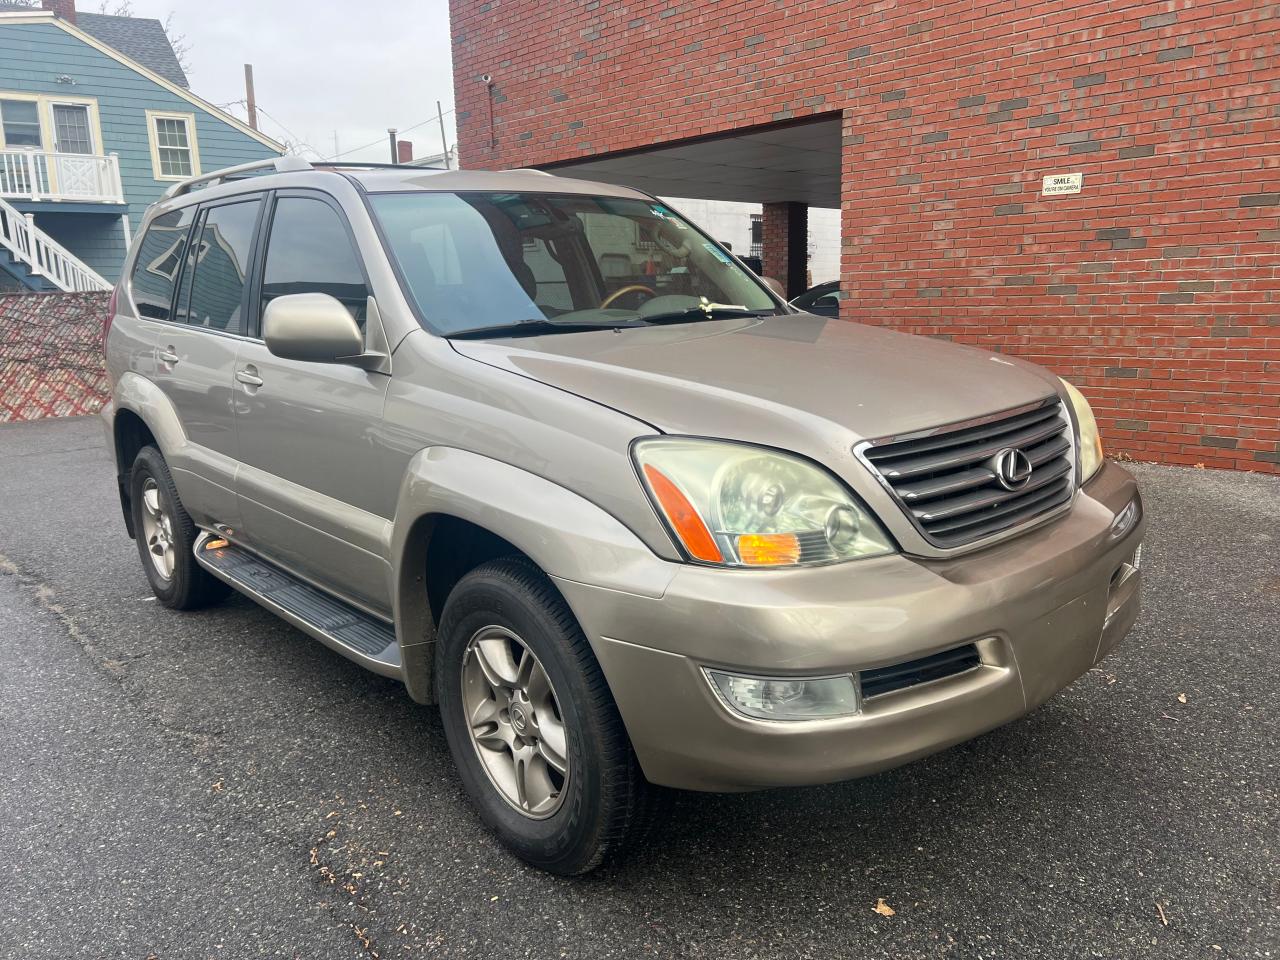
(353, 633)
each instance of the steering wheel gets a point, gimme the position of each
(633, 288)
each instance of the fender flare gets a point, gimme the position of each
(141, 397)
(567, 536)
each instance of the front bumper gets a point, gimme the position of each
(1041, 609)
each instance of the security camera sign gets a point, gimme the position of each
(1060, 184)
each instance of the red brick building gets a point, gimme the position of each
(932, 126)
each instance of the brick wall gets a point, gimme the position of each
(785, 234)
(51, 355)
(1157, 288)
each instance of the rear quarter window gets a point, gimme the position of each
(160, 254)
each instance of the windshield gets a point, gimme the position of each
(487, 261)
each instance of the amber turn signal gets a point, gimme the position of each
(768, 549)
(693, 533)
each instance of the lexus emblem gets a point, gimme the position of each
(1012, 468)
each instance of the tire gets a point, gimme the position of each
(188, 586)
(604, 804)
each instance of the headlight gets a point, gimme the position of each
(1090, 439)
(743, 506)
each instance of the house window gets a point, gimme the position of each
(174, 153)
(21, 120)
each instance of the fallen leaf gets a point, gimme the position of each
(883, 908)
(1182, 698)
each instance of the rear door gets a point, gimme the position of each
(309, 433)
(196, 338)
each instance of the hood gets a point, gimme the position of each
(797, 381)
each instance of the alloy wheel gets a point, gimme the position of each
(157, 529)
(515, 721)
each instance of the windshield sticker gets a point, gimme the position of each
(716, 252)
(658, 210)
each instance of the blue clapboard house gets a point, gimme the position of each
(96, 121)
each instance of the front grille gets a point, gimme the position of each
(948, 663)
(947, 484)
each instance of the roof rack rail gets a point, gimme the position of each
(545, 173)
(285, 164)
(366, 163)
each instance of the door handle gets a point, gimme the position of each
(248, 376)
(168, 356)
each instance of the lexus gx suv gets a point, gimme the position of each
(551, 456)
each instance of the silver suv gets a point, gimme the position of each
(547, 453)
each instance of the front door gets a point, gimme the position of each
(196, 350)
(307, 432)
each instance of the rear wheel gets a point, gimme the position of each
(166, 537)
(531, 724)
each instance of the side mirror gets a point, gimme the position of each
(774, 284)
(311, 326)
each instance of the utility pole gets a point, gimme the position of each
(391, 137)
(250, 102)
(336, 151)
(444, 142)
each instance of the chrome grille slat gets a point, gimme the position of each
(925, 489)
(968, 435)
(960, 456)
(946, 481)
(1047, 451)
(982, 499)
(978, 527)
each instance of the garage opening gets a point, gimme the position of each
(772, 192)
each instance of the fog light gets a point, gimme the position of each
(788, 698)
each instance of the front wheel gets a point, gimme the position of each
(531, 724)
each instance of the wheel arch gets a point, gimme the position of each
(142, 415)
(457, 509)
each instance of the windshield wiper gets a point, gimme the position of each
(704, 311)
(536, 327)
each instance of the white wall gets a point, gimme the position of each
(729, 221)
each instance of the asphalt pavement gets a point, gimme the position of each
(218, 785)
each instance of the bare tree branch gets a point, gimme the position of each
(181, 46)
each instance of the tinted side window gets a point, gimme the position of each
(220, 262)
(160, 254)
(309, 251)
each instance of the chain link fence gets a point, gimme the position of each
(51, 355)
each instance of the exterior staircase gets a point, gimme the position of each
(37, 261)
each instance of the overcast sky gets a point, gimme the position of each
(355, 68)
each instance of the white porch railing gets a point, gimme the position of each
(43, 255)
(37, 175)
